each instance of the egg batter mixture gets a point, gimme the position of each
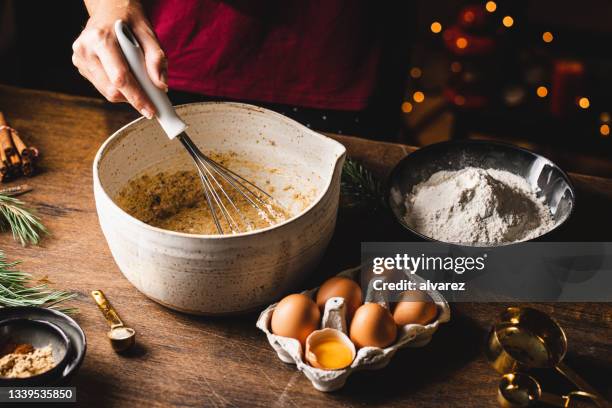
(176, 201)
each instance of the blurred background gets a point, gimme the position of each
(532, 73)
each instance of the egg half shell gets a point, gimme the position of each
(319, 337)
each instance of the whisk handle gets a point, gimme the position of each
(166, 116)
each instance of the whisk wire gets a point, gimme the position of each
(233, 182)
(238, 176)
(218, 200)
(210, 205)
(207, 168)
(228, 217)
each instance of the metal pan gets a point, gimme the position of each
(553, 184)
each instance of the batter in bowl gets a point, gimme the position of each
(176, 201)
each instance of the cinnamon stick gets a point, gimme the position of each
(13, 160)
(5, 175)
(6, 143)
(19, 145)
(3, 158)
(28, 154)
(16, 158)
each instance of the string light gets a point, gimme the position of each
(416, 72)
(508, 21)
(604, 117)
(418, 96)
(491, 6)
(436, 27)
(406, 107)
(469, 16)
(604, 130)
(542, 91)
(584, 102)
(547, 37)
(461, 43)
(456, 67)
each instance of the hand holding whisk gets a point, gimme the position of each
(222, 187)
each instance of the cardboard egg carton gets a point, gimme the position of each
(290, 351)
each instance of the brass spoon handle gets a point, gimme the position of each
(111, 316)
(572, 376)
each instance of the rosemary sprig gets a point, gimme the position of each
(359, 187)
(14, 215)
(20, 289)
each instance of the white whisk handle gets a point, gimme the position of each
(166, 116)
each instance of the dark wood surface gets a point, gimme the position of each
(195, 361)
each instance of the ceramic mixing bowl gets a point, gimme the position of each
(213, 274)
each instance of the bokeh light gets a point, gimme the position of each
(456, 67)
(461, 42)
(406, 107)
(542, 91)
(491, 6)
(469, 16)
(418, 96)
(436, 27)
(547, 37)
(584, 102)
(604, 130)
(508, 21)
(416, 72)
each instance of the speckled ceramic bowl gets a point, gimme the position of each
(211, 274)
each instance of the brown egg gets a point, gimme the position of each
(421, 309)
(373, 326)
(340, 287)
(295, 316)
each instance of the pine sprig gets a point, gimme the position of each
(20, 289)
(359, 187)
(14, 215)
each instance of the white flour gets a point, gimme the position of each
(477, 206)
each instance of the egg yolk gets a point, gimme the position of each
(333, 354)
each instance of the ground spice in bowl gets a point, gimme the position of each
(24, 361)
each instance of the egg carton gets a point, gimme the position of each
(289, 350)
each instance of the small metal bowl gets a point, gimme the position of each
(39, 334)
(550, 182)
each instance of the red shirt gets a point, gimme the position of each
(319, 54)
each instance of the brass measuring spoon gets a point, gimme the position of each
(527, 338)
(518, 390)
(120, 336)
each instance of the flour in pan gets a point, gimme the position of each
(476, 206)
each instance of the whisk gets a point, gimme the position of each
(214, 176)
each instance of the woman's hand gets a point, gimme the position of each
(97, 55)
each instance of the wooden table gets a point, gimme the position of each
(195, 361)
